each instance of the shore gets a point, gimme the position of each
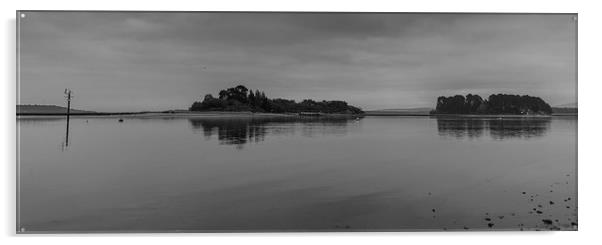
(207, 114)
(232, 114)
(392, 114)
(502, 115)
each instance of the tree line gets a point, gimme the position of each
(495, 104)
(240, 98)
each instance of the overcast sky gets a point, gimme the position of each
(155, 61)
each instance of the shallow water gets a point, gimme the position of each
(376, 173)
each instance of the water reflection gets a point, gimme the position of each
(378, 173)
(240, 131)
(65, 143)
(497, 128)
(40, 121)
(460, 128)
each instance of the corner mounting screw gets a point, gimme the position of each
(23, 15)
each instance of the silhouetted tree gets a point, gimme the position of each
(497, 104)
(239, 98)
(473, 102)
(251, 99)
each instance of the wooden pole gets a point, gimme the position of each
(68, 103)
(68, 114)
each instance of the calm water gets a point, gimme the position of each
(378, 173)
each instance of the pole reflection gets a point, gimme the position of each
(65, 144)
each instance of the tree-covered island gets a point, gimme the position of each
(240, 98)
(502, 104)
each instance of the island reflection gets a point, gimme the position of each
(496, 128)
(241, 131)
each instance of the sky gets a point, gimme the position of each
(124, 61)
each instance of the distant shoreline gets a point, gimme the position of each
(57, 111)
(208, 114)
(222, 114)
(469, 115)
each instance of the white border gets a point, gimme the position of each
(589, 133)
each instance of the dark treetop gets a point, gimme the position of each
(496, 104)
(240, 98)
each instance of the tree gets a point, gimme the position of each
(496, 104)
(239, 98)
(251, 99)
(473, 102)
(223, 95)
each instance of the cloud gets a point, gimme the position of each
(143, 61)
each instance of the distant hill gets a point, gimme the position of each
(47, 110)
(564, 110)
(568, 105)
(400, 112)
